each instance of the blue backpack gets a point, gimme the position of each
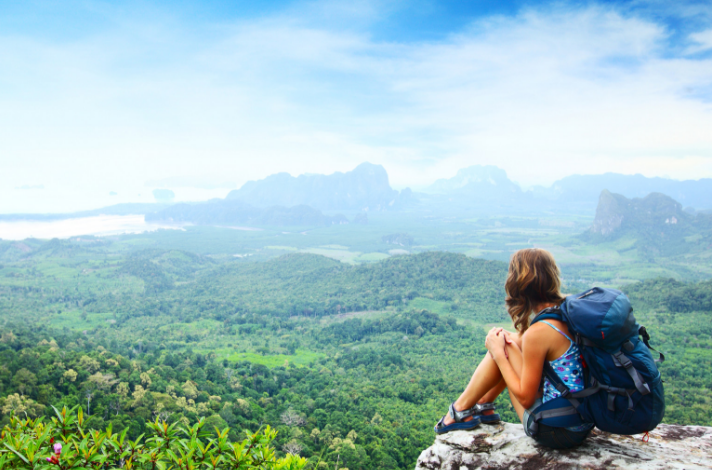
(624, 390)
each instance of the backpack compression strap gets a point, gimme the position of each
(646, 340)
(621, 360)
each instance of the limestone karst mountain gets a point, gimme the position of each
(655, 224)
(478, 181)
(617, 214)
(365, 188)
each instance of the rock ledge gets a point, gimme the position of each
(505, 446)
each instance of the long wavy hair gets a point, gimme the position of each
(533, 279)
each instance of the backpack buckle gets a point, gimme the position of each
(621, 360)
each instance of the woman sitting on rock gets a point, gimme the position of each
(516, 360)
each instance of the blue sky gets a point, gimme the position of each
(123, 97)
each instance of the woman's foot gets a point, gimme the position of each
(456, 420)
(487, 413)
(447, 419)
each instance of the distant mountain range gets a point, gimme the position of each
(478, 185)
(364, 188)
(227, 212)
(282, 199)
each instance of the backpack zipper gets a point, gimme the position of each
(586, 294)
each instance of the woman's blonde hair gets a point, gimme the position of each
(533, 279)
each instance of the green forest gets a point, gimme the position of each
(348, 366)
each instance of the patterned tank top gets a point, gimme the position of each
(568, 366)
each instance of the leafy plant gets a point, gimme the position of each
(65, 444)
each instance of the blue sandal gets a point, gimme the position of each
(459, 424)
(487, 419)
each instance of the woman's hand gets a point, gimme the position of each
(497, 341)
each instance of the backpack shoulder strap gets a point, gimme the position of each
(551, 313)
(559, 384)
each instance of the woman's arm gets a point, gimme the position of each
(523, 379)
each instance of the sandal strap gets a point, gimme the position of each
(458, 416)
(485, 407)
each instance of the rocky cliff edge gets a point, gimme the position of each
(505, 446)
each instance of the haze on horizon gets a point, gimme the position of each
(100, 98)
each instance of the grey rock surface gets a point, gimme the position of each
(505, 446)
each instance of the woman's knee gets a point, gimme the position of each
(513, 347)
(515, 338)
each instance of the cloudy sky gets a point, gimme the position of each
(123, 97)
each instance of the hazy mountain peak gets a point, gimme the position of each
(485, 179)
(366, 187)
(480, 173)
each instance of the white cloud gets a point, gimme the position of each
(542, 95)
(702, 42)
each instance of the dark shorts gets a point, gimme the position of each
(547, 436)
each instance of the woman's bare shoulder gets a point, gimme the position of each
(536, 332)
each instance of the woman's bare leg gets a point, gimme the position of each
(514, 352)
(486, 379)
(486, 383)
(492, 395)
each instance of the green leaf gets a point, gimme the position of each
(22, 457)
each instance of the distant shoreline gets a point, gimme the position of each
(99, 225)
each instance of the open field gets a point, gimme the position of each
(301, 358)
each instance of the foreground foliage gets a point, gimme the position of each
(65, 443)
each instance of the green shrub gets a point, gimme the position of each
(64, 444)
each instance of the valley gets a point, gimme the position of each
(367, 356)
(350, 339)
